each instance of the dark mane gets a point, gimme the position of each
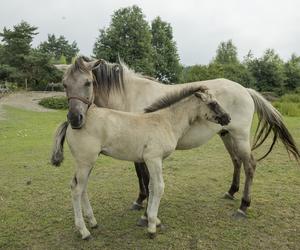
(170, 99)
(107, 76)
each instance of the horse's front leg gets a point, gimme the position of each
(78, 185)
(156, 190)
(143, 176)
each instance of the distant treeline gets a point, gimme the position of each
(148, 48)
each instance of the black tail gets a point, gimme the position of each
(269, 119)
(58, 145)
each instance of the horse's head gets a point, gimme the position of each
(211, 110)
(78, 83)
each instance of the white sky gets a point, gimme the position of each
(198, 25)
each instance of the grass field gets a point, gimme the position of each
(36, 210)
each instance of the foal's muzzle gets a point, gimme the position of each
(76, 120)
(223, 119)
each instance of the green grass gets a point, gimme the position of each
(36, 210)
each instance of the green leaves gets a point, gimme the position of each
(268, 72)
(149, 51)
(166, 58)
(129, 37)
(22, 64)
(59, 48)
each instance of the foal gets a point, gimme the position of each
(148, 137)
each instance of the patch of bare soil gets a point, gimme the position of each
(26, 100)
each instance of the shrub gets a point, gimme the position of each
(288, 104)
(295, 98)
(54, 102)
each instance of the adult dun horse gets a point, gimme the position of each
(115, 86)
(154, 137)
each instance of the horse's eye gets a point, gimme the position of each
(87, 83)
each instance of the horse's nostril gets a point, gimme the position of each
(80, 117)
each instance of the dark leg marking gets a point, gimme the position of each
(223, 132)
(244, 205)
(143, 176)
(233, 189)
(90, 171)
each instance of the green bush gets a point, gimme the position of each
(288, 108)
(288, 104)
(54, 102)
(295, 98)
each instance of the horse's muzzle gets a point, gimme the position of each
(76, 120)
(223, 119)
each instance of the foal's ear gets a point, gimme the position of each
(202, 96)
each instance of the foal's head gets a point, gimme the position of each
(211, 110)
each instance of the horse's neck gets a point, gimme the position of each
(182, 115)
(141, 93)
(138, 94)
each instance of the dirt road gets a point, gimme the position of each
(26, 100)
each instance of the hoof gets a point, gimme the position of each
(94, 226)
(229, 196)
(87, 237)
(151, 235)
(142, 222)
(136, 207)
(239, 214)
(161, 227)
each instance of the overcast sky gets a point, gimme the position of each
(198, 25)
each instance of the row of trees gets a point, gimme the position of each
(151, 49)
(267, 73)
(32, 67)
(148, 48)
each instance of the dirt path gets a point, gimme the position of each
(26, 100)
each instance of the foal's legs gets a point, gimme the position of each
(143, 176)
(156, 190)
(78, 186)
(232, 150)
(87, 209)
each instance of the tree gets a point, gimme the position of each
(166, 59)
(195, 73)
(292, 73)
(226, 53)
(17, 43)
(129, 37)
(58, 47)
(39, 70)
(268, 72)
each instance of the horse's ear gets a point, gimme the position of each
(92, 64)
(201, 95)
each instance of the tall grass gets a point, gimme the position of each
(288, 104)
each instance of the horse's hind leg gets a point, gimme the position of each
(87, 208)
(249, 163)
(78, 185)
(232, 150)
(143, 176)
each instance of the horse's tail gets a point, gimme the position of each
(58, 145)
(269, 119)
